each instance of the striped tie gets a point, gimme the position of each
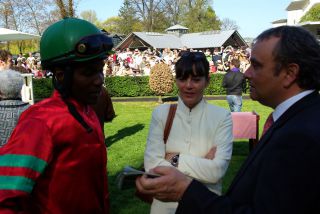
(267, 124)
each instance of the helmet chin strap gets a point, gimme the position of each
(63, 84)
(64, 89)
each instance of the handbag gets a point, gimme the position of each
(172, 111)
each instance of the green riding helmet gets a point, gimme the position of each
(72, 40)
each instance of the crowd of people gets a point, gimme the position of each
(55, 160)
(139, 63)
(135, 62)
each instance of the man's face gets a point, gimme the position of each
(87, 81)
(265, 86)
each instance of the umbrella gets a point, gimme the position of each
(10, 35)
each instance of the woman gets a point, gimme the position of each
(200, 141)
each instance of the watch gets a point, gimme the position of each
(175, 160)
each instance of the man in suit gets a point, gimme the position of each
(281, 174)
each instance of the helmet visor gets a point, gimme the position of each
(92, 45)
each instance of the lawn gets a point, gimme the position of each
(126, 139)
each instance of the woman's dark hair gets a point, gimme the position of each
(296, 45)
(192, 63)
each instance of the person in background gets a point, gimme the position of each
(104, 108)
(233, 82)
(11, 105)
(55, 160)
(280, 175)
(216, 57)
(5, 60)
(200, 140)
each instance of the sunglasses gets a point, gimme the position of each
(93, 45)
(194, 55)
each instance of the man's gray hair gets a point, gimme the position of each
(10, 85)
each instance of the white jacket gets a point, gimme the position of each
(193, 134)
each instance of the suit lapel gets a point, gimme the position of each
(301, 105)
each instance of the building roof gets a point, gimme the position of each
(200, 40)
(206, 39)
(279, 21)
(297, 5)
(177, 27)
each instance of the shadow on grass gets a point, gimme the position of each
(122, 133)
(124, 200)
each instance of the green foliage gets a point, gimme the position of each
(201, 17)
(129, 22)
(126, 86)
(24, 46)
(42, 88)
(112, 24)
(312, 15)
(90, 16)
(215, 86)
(158, 15)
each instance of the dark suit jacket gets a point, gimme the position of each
(281, 175)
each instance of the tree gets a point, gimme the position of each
(128, 20)
(174, 9)
(312, 15)
(157, 15)
(66, 7)
(112, 25)
(228, 24)
(210, 20)
(89, 15)
(147, 10)
(150, 13)
(200, 16)
(31, 16)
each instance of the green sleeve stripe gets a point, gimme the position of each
(16, 183)
(26, 161)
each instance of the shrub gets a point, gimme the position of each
(128, 87)
(42, 88)
(161, 79)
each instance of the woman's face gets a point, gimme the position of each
(191, 89)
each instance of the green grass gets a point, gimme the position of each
(126, 138)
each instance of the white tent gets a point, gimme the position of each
(10, 35)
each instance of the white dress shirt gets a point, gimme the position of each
(285, 105)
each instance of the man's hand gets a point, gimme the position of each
(211, 154)
(169, 156)
(170, 186)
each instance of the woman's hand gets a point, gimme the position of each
(211, 154)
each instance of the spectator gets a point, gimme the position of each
(104, 108)
(280, 175)
(5, 60)
(11, 105)
(234, 83)
(198, 130)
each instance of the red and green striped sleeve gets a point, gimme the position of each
(18, 172)
(22, 160)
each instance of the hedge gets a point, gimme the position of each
(127, 87)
